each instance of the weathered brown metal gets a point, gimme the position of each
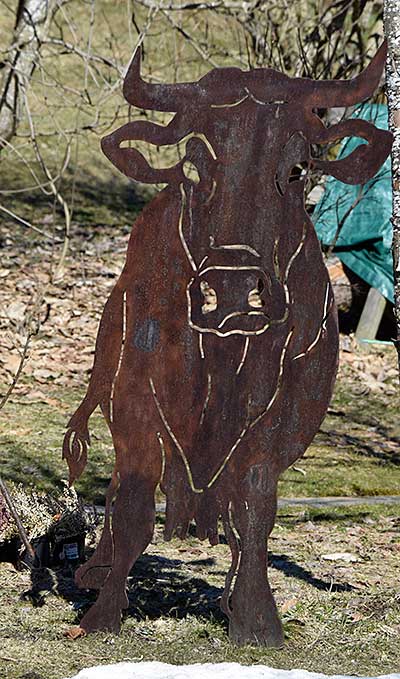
(217, 349)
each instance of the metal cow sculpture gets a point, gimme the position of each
(217, 350)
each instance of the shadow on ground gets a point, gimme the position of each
(293, 570)
(162, 587)
(382, 443)
(379, 448)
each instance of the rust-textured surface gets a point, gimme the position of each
(217, 349)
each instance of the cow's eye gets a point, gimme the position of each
(254, 296)
(293, 162)
(210, 298)
(298, 171)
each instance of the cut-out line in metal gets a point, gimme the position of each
(233, 268)
(199, 135)
(278, 383)
(202, 262)
(235, 246)
(121, 351)
(235, 103)
(234, 314)
(207, 399)
(234, 544)
(212, 192)
(237, 539)
(207, 142)
(326, 310)
(174, 439)
(185, 139)
(201, 348)
(163, 455)
(180, 229)
(190, 210)
(277, 269)
(290, 262)
(322, 327)
(228, 457)
(297, 251)
(244, 355)
(276, 102)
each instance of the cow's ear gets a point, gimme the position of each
(364, 162)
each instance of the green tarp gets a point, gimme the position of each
(364, 215)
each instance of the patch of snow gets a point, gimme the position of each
(158, 670)
(340, 556)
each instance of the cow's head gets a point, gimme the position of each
(242, 214)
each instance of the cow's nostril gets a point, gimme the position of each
(191, 172)
(255, 300)
(210, 298)
(254, 297)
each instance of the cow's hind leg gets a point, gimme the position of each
(93, 573)
(132, 529)
(252, 610)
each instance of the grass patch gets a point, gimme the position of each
(30, 445)
(357, 450)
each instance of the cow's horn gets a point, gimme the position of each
(171, 98)
(331, 93)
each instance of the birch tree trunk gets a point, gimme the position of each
(32, 23)
(392, 32)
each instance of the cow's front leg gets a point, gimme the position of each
(253, 614)
(132, 530)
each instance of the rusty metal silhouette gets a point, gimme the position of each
(217, 349)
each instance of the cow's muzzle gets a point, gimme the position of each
(227, 300)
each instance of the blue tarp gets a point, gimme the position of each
(364, 211)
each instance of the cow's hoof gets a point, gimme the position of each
(101, 619)
(268, 635)
(93, 577)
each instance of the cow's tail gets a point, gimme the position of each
(77, 440)
(75, 453)
(109, 348)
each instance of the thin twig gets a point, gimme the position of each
(24, 222)
(18, 373)
(15, 515)
(58, 196)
